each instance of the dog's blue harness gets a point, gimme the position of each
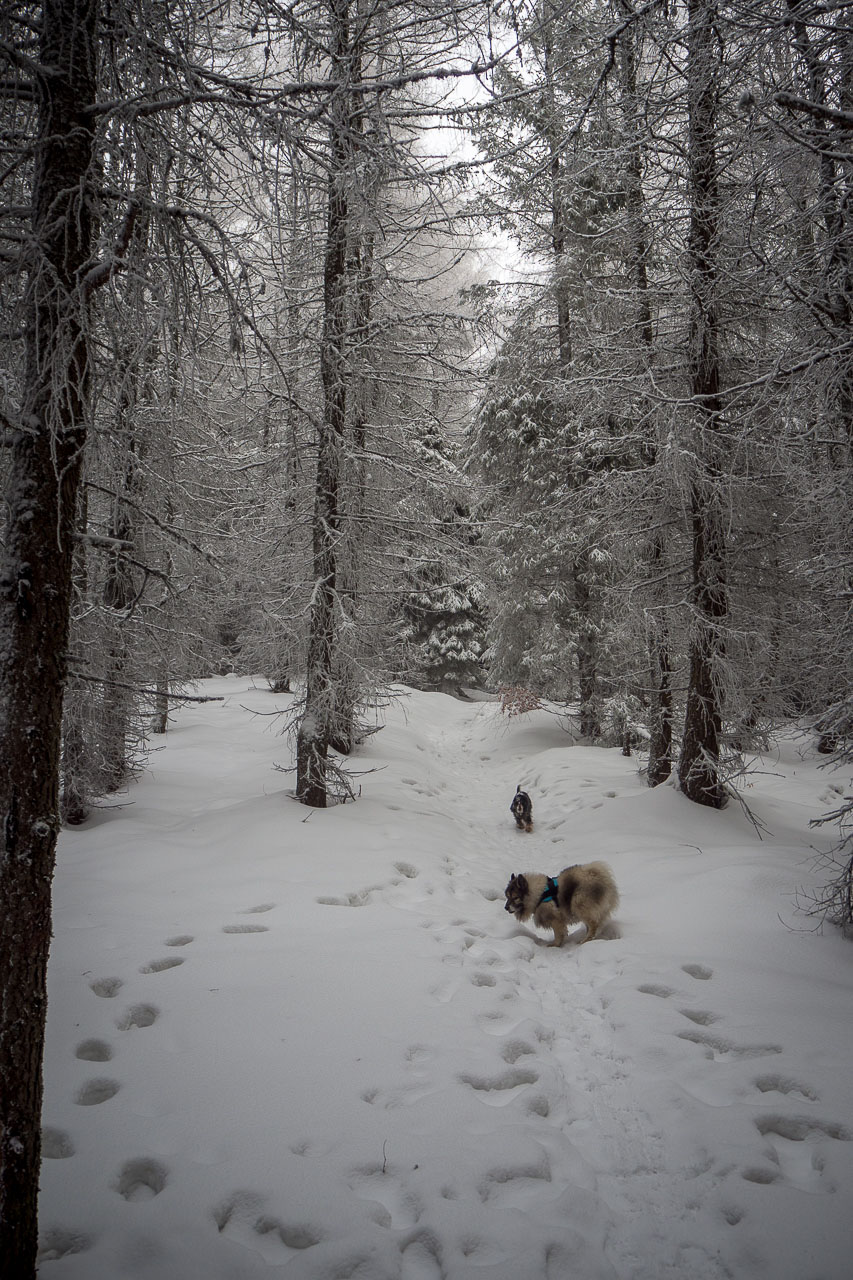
(550, 894)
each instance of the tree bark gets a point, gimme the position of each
(698, 767)
(35, 592)
(317, 725)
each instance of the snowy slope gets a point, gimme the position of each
(314, 1044)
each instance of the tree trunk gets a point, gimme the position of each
(76, 751)
(835, 300)
(660, 670)
(35, 593)
(160, 718)
(698, 767)
(317, 724)
(118, 596)
(660, 692)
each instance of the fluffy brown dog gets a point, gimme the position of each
(585, 894)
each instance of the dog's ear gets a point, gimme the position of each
(521, 883)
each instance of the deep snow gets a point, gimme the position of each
(314, 1044)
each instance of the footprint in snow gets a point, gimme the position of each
(702, 1017)
(699, 971)
(256, 911)
(515, 1049)
(656, 989)
(397, 1206)
(141, 1179)
(497, 1182)
(498, 1089)
(782, 1084)
(106, 988)
(242, 1216)
(94, 1092)
(138, 1015)
(61, 1242)
(420, 1260)
(358, 899)
(794, 1151)
(160, 966)
(93, 1051)
(245, 928)
(718, 1048)
(181, 940)
(56, 1144)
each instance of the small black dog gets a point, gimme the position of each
(522, 810)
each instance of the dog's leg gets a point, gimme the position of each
(591, 930)
(559, 934)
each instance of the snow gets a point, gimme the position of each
(312, 1043)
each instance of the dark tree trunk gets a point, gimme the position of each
(318, 721)
(698, 768)
(160, 718)
(660, 718)
(35, 594)
(835, 299)
(118, 597)
(76, 753)
(587, 654)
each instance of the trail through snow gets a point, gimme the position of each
(316, 1045)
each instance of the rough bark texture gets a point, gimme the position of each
(35, 595)
(317, 725)
(698, 768)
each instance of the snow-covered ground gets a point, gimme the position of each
(314, 1044)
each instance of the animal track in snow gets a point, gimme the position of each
(515, 1049)
(782, 1084)
(700, 1016)
(802, 1128)
(421, 1259)
(94, 1092)
(655, 989)
(141, 1179)
(406, 869)
(484, 980)
(242, 1217)
(500, 1179)
(56, 1144)
(358, 899)
(245, 928)
(716, 1047)
(106, 988)
(182, 940)
(699, 971)
(93, 1051)
(763, 1176)
(256, 911)
(793, 1147)
(444, 992)
(138, 1015)
(59, 1242)
(160, 966)
(399, 1207)
(498, 1089)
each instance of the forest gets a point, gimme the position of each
(353, 342)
